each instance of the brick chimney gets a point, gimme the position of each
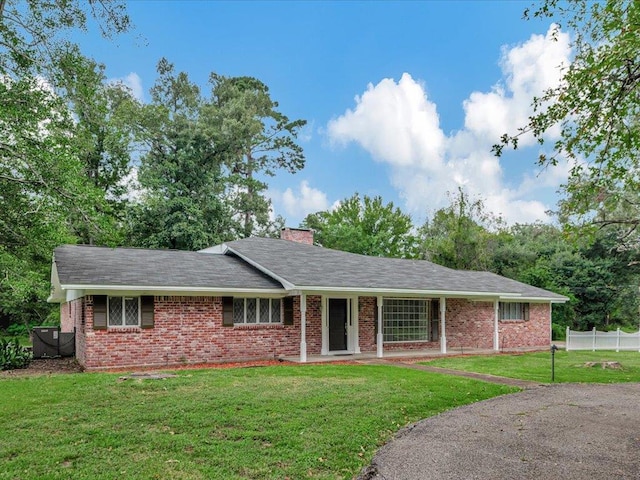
(300, 235)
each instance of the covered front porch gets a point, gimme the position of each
(341, 325)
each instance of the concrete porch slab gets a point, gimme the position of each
(411, 354)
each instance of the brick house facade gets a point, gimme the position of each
(189, 330)
(239, 307)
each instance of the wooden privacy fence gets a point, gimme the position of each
(594, 340)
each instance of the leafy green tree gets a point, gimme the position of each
(365, 226)
(595, 108)
(532, 253)
(181, 174)
(256, 140)
(41, 175)
(40, 182)
(106, 118)
(459, 236)
(599, 277)
(32, 32)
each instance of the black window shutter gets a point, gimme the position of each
(227, 311)
(146, 314)
(287, 307)
(99, 312)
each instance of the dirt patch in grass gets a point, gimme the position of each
(45, 366)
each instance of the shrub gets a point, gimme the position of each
(13, 355)
(17, 330)
(558, 332)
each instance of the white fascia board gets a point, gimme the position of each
(286, 284)
(56, 297)
(477, 296)
(93, 289)
(522, 298)
(407, 292)
(538, 299)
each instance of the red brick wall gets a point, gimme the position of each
(469, 323)
(297, 235)
(189, 330)
(535, 332)
(366, 323)
(314, 323)
(72, 319)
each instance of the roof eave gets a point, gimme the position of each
(56, 294)
(309, 289)
(171, 289)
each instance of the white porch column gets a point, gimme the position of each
(303, 328)
(355, 321)
(443, 325)
(380, 350)
(496, 337)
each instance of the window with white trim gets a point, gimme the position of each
(257, 310)
(123, 311)
(405, 320)
(513, 311)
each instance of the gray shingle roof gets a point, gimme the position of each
(87, 265)
(308, 265)
(298, 264)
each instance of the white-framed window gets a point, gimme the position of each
(123, 311)
(513, 311)
(405, 319)
(257, 310)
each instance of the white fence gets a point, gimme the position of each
(594, 340)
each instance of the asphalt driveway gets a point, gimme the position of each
(566, 431)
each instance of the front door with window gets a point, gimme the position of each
(338, 324)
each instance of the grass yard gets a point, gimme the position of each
(569, 366)
(256, 423)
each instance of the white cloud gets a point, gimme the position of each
(529, 69)
(398, 125)
(300, 203)
(133, 82)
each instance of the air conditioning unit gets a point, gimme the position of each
(49, 342)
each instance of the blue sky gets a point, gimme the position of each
(403, 99)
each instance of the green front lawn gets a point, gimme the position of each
(256, 423)
(569, 366)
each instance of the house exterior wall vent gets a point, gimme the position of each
(300, 235)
